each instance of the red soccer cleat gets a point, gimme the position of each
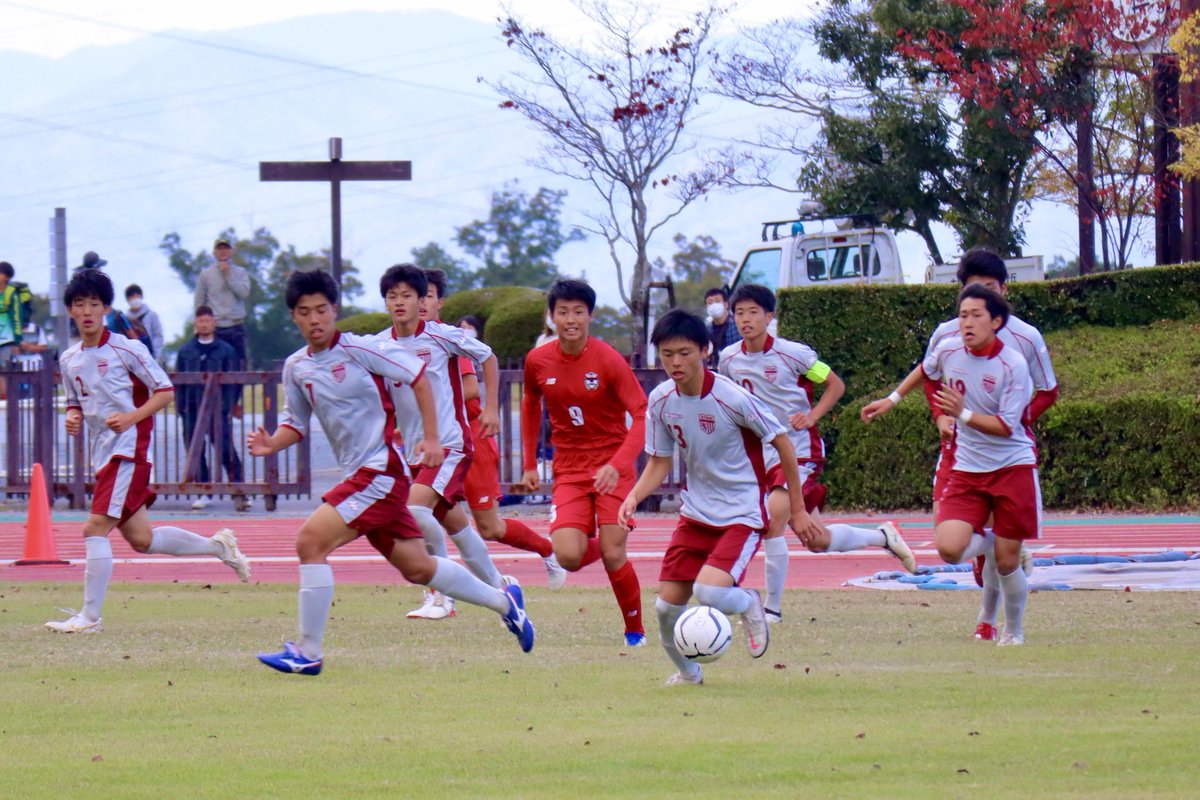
(985, 632)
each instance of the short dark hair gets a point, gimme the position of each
(204, 311)
(984, 263)
(570, 289)
(475, 322)
(721, 290)
(680, 324)
(133, 289)
(87, 283)
(7, 269)
(755, 293)
(997, 306)
(315, 281)
(437, 279)
(409, 274)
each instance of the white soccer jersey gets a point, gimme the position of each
(115, 377)
(439, 347)
(994, 384)
(783, 376)
(721, 436)
(346, 385)
(1016, 333)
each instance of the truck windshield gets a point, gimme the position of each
(761, 267)
(839, 262)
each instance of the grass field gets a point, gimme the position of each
(862, 694)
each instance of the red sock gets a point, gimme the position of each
(628, 591)
(519, 535)
(592, 554)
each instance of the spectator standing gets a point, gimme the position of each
(207, 353)
(722, 331)
(142, 313)
(11, 323)
(224, 288)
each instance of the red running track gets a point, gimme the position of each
(268, 541)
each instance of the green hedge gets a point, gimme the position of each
(366, 324)
(873, 335)
(1133, 452)
(512, 316)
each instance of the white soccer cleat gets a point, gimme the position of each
(679, 679)
(229, 554)
(76, 623)
(200, 504)
(758, 630)
(556, 576)
(773, 617)
(436, 606)
(1010, 640)
(1026, 561)
(894, 543)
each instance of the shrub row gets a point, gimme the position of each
(1138, 451)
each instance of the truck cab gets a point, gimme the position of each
(801, 252)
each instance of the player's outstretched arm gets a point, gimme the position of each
(656, 471)
(429, 450)
(835, 387)
(262, 443)
(802, 523)
(885, 404)
(157, 402)
(489, 419)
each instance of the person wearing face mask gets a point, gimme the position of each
(722, 331)
(148, 318)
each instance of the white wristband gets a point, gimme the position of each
(965, 415)
(895, 397)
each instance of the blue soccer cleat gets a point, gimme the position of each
(291, 660)
(634, 639)
(516, 619)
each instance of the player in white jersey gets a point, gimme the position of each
(783, 373)
(115, 386)
(986, 387)
(343, 379)
(986, 269)
(721, 430)
(437, 491)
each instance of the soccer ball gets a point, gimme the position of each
(703, 634)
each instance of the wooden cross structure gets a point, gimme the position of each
(334, 171)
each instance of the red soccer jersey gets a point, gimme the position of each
(588, 396)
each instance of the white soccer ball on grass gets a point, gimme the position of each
(703, 634)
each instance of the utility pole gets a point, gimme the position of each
(58, 276)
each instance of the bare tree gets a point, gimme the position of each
(615, 111)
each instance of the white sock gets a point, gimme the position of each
(474, 553)
(844, 538)
(668, 615)
(980, 545)
(729, 599)
(457, 582)
(172, 541)
(435, 537)
(776, 551)
(96, 575)
(316, 598)
(1016, 590)
(991, 592)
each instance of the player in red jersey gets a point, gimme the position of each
(589, 390)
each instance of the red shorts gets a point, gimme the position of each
(446, 479)
(122, 487)
(695, 545)
(945, 468)
(482, 485)
(373, 502)
(1011, 496)
(577, 505)
(814, 490)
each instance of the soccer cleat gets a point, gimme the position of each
(679, 679)
(1010, 640)
(772, 615)
(229, 554)
(291, 660)
(556, 576)
(76, 623)
(634, 638)
(1026, 561)
(517, 620)
(894, 543)
(435, 606)
(977, 570)
(200, 504)
(241, 503)
(985, 632)
(758, 630)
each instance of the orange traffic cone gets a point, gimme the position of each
(39, 538)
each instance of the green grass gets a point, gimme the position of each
(1096, 363)
(863, 694)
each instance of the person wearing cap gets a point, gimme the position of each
(224, 288)
(92, 260)
(141, 312)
